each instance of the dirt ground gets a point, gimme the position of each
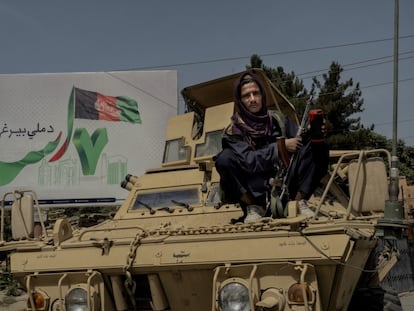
(12, 303)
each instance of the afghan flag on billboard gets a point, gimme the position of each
(85, 104)
(96, 106)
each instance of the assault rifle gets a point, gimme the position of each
(279, 201)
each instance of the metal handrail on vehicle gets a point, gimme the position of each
(360, 154)
(21, 193)
(108, 229)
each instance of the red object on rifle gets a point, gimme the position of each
(317, 121)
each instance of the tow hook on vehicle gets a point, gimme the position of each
(106, 245)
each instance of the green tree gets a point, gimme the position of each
(406, 160)
(341, 102)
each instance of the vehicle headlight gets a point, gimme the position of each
(77, 300)
(298, 292)
(40, 301)
(234, 296)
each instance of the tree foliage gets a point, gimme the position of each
(341, 102)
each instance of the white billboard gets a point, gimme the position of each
(72, 137)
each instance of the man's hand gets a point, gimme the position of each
(293, 144)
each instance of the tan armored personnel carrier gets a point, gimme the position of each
(171, 245)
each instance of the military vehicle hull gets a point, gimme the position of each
(174, 245)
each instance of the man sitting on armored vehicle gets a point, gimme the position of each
(254, 144)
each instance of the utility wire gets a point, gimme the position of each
(141, 90)
(386, 123)
(311, 74)
(225, 59)
(303, 75)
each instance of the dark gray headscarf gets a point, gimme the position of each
(249, 125)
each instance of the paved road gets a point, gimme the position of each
(18, 305)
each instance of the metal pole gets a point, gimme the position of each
(395, 115)
(394, 174)
(393, 223)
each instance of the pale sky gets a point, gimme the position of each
(204, 40)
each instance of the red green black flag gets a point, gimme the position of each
(85, 104)
(96, 106)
